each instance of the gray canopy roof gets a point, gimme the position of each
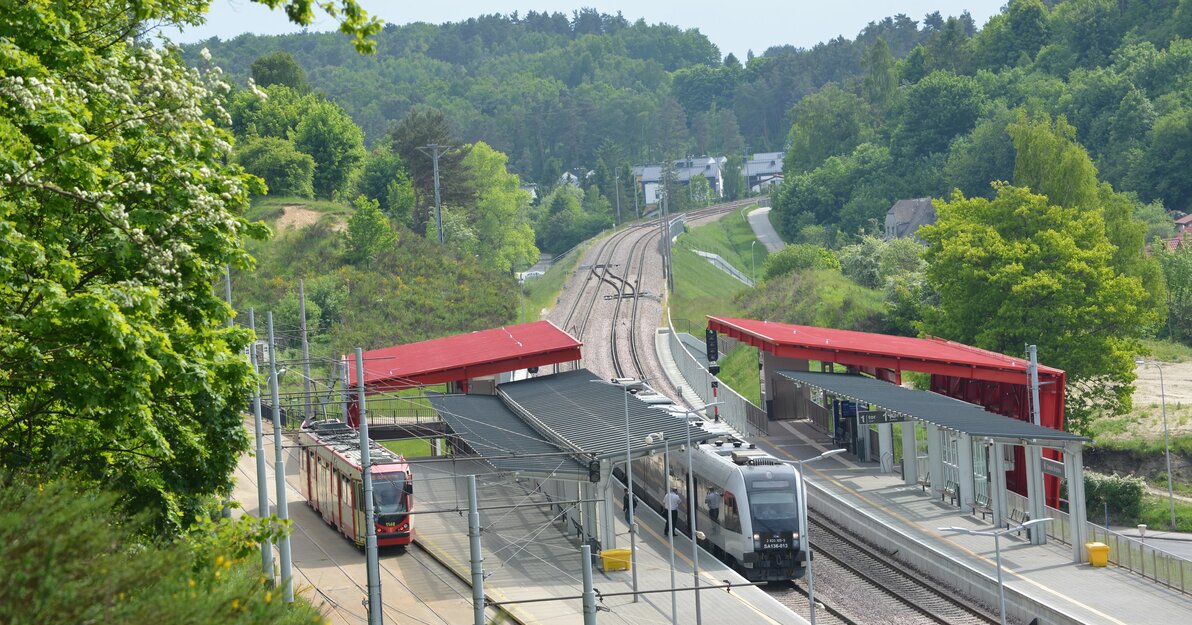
(495, 432)
(942, 411)
(579, 411)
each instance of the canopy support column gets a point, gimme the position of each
(910, 454)
(608, 511)
(964, 462)
(885, 447)
(935, 458)
(1035, 492)
(998, 496)
(1077, 516)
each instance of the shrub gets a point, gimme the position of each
(799, 257)
(1123, 494)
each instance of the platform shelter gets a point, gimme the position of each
(467, 363)
(997, 382)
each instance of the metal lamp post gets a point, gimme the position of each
(997, 550)
(691, 495)
(807, 530)
(629, 485)
(1166, 445)
(753, 260)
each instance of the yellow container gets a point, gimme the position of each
(615, 559)
(1098, 553)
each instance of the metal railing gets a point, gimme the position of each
(1128, 552)
(740, 413)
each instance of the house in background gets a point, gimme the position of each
(1183, 224)
(763, 170)
(649, 177)
(906, 217)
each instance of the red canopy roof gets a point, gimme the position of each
(866, 349)
(465, 356)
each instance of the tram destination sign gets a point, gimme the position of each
(874, 417)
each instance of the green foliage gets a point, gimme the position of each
(500, 214)
(119, 212)
(822, 297)
(72, 558)
(827, 123)
(383, 178)
(932, 112)
(1122, 494)
(410, 139)
(563, 222)
(410, 447)
(798, 257)
(850, 192)
(1177, 273)
(334, 141)
(279, 68)
(369, 233)
(285, 170)
(739, 371)
(1019, 270)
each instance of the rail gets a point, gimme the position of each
(740, 413)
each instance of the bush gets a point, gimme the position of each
(69, 558)
(798, 257)
(1123, 494)
(285, 170)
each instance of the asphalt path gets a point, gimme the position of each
(759, 220)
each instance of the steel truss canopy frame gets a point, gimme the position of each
(942, 411)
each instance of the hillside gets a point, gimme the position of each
(411, 291)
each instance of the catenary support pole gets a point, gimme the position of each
(436, 151)
(477, 558)
(279, 469)
(589, 594)
(370, 522)
(306, 414)
(259, 436)
(671, 519)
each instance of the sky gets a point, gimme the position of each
(734, 27)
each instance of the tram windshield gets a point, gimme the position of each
(387, 493)
(773, 506)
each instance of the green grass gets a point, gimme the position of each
(1166, 351)
(409, 447)
(731, 237)
(700, 289)
(1156, 513)
(739, 371)
(540, 294)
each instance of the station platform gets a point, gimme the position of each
(530, 554)
(1040, 581)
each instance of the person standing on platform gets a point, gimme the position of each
(713, 502)
(670, 503)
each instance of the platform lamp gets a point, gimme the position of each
(628, 485)
(807, 530)
(997, 550)
(1166, 445)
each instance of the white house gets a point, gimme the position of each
(649, 177)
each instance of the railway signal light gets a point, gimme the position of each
(594, 471)
(711, 345)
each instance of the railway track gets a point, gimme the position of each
(858, 584)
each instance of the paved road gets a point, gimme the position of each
(759, 220)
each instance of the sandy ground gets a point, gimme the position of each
(1149, 396)
(296, 217)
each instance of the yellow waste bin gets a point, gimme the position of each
(615, 559)
(1098, 553)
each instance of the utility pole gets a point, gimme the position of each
(228, 293)
(370, 540)
(305, 351)
(617, 186)
(262, 478)
(279, 470)
(435, 152)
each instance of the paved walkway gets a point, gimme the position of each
(759, 220)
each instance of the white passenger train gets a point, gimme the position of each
(761, 525)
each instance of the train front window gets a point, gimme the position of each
(773, 509)
(387, 493)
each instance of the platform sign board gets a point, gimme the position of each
(874, 417)
(1053, 467)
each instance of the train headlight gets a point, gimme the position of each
(795, 535)
(757, 542)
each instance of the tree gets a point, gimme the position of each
(285, 170)
(334, 141)
(881, 77)
(279, 68)
(932, 112)
(500, 215)
(826, 123)
(118, 213)
(1019, 269)
(421, 127)
(734, 177)
(383, 178)
(369, 233)
(1177, 273)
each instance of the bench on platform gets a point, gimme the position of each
(981, 505)
(1018, 517)
(925, 482)
(951, 491)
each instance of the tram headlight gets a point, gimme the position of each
(757, 542)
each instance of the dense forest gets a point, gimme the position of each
(558, 92)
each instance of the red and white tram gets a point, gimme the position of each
(332, 483)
